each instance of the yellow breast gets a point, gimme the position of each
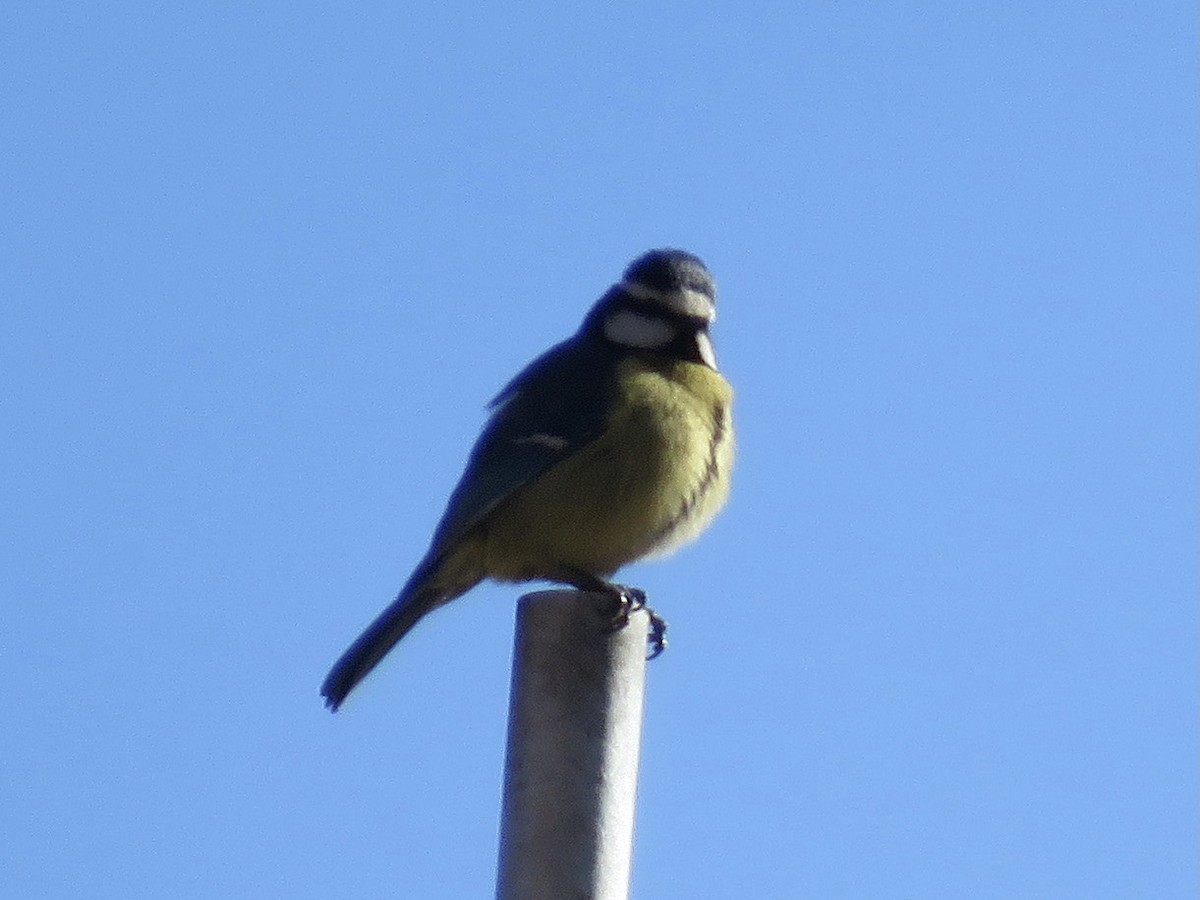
(648, 485)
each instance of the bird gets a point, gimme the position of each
(612, 446)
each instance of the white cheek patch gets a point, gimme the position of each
(683, 302)
(631, 329)
(695, 305)
(705, 346)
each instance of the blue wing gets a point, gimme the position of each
(555, 406)
(551, 409)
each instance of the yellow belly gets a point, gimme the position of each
(649, 484)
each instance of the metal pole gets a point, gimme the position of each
(574, 736)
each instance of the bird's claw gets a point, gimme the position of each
(627, 601)
(656, 640)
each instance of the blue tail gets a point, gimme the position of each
(416, 599)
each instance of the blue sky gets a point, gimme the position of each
(264, 266)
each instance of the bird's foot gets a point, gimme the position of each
(627, 601)
(623, 602)
(656, 640)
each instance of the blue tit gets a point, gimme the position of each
(612, 446)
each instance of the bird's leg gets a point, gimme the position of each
(622, 601)
(625, 601)
(633, 599)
